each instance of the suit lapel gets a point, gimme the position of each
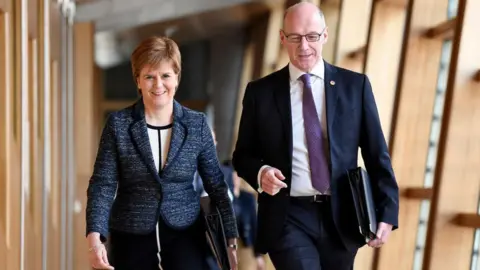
(331, 93)
(139, 133)
(282, 99)
(179, 132)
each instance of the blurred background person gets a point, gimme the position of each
(245, 208)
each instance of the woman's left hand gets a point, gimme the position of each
(232, 258)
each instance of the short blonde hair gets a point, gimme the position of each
(152, 51)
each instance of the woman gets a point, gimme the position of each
(141, 189)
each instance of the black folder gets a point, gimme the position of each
(215, 232)
(363, 201)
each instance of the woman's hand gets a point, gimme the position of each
(97, 252)
(232, 258)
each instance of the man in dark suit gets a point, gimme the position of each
(299, 133)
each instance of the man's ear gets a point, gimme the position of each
(282, 37)
(325, 35)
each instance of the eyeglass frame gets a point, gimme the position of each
(319, 35)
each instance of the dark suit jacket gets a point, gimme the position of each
(265, 138)
(125, 166)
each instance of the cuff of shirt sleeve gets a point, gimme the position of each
(259, 178)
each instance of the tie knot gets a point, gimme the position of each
(305, 79)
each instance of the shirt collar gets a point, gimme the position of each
(318, 70)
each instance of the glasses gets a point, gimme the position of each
(297, 38)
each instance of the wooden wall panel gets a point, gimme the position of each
(331, 10)
(353, 25)
(383, 55)
(417, 86)
(12, 163)
(85, 132)
(54, 199)
(265, 35)
(33, 16)
(247, 67)
(272, 45)
(21, 145)
(55, 42)
(15, 182)
(457, 183)
(33, 188)
(379, 56)
(5, 132)
(6, 5)
(352, 34)
(53, 260)
(381, 60)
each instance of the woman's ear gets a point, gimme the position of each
(137, 82)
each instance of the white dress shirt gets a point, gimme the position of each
(301, 184)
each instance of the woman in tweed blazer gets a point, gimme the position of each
(141, 190)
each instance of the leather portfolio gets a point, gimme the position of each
(363, 202)
(215, 232)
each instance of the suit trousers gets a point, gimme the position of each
(180, 249)
(309, 240)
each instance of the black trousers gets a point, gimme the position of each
(310, 241)
(180, 249)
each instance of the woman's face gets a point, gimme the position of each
(158, 85)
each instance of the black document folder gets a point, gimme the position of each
(363, 202)
(215, 233)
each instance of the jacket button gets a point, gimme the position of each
(158, 195)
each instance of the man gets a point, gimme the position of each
(299, 133)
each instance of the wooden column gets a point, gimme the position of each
(416, 92)
(457, 184)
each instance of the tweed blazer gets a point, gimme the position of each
(127, 193)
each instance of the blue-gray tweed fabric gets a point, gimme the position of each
(127, 193)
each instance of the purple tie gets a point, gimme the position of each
(313, 132)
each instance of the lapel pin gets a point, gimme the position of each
(332, 82)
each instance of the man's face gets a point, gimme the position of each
(303, 36)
